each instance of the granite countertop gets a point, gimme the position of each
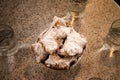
(29, 18)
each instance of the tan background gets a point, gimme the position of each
(30, 17)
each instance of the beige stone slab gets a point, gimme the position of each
(30, 17)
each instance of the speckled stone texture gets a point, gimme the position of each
(30, 17)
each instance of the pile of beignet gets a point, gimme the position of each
(60, 46)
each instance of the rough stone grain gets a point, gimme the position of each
(30, 17)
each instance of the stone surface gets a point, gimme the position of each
(30, 17)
